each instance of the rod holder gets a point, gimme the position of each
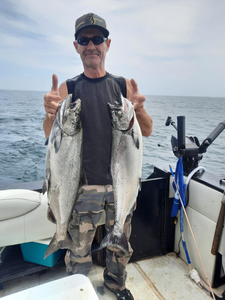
(181, 133)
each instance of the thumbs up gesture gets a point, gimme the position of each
(52, 99)
(136, 98)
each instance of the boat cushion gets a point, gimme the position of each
(15, 203)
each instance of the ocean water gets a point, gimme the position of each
(202, 115)
(22, 150)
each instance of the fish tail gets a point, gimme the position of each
(52, 247)
(115, 239)
(55, 245)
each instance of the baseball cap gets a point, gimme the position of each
(90, 21)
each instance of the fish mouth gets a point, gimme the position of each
(69, 104)
(114, 107)
(118, 106)
(69, 107)
(74, 105)
(122, 115)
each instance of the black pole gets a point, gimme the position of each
(213, 135)
(181, 132)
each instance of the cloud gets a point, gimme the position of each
(162, 44)
(8, 10)
(14, 23)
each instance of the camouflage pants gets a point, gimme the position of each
(90, 204)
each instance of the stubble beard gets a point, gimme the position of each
(92, 63)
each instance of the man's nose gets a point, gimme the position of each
(90, 45)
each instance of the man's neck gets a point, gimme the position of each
(94, 73)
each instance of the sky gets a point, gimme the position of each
(170, 47)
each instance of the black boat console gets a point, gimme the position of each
(189, 147)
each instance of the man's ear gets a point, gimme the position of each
(108, 43)
(76, 46)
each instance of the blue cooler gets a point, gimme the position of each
(34, 252)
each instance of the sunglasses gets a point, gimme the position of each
(96, 40)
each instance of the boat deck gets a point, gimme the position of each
(159, 278)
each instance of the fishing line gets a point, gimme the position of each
(207, 279)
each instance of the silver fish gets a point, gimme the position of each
(63, 170)
(126, 167)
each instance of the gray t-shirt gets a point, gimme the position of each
(97, 132)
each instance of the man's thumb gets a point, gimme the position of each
(134, 85)
(54, 83)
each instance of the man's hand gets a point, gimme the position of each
(52, 99)
(144, 120)
(136, 98)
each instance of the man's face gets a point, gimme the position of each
(92, 56)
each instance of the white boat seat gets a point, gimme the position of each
(15, 203)
(77, 286)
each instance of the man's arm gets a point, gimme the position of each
(144, 120)
(51, 103)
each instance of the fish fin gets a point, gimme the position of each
(46, 182)
(83, 179)
(50, 215)
(46, 142)
(115, 240)
(136, 139)
(45, 186)
(139, 186)
(56, 245)
(109, 174)
(57, 143)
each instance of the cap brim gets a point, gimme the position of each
(103, 30)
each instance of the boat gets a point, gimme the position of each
(158, 268)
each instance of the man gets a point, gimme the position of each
(95, 87)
